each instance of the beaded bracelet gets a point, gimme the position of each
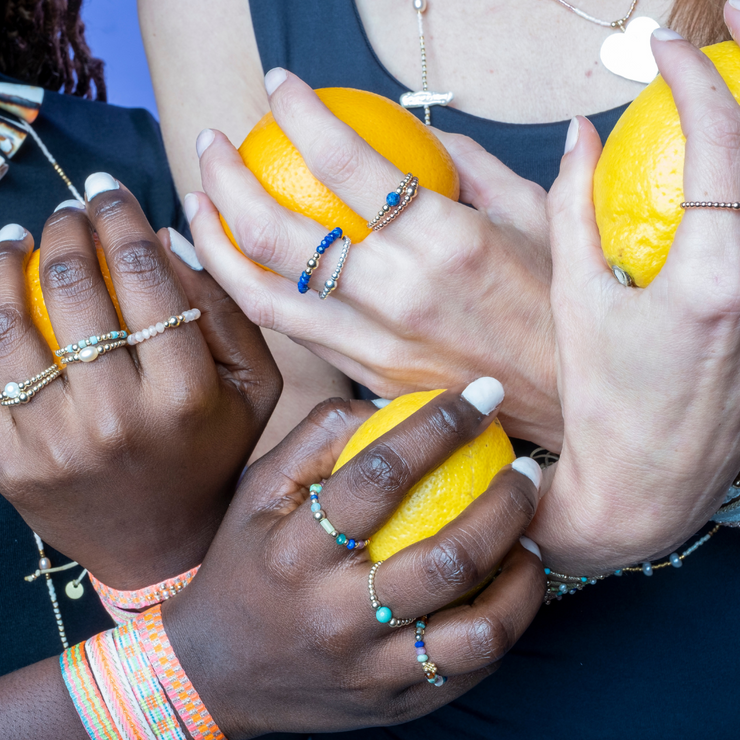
(313, 262)
(430, 668)
(173, 678)
(320, 516)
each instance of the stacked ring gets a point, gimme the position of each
(710, 204)
(93, 341)
(399, 200)
(320, 516)
(15, 394)
(91, 352)
(313, 262)
(382, 613)
(430, 669)
(332, 282)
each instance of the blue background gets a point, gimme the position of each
(113, 35)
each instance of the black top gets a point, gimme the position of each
(631, 657)
(84, 137)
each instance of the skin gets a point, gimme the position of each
(661, 408)
(271, 568)
(136, 455)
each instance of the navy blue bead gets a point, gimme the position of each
(351, 545)
(393, 199)
(337, 233)
(419, 643)
(302, 288)
(321, 249)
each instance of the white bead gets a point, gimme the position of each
(12, 390)
(186, 317)
(131, 340)
(196, 314)
(160, 327)
(139, 336)
(88, 354)
(153, 331)
(145, 333)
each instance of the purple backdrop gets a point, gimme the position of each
(113, 35)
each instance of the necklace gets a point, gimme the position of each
(626, 54)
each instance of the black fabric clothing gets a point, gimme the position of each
(84, 137)
(645, 658)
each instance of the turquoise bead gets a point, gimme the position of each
(82, 343)
(341, 540)
(315, 488)
(122, 334)
(93, 340)
(316, 506)
(114, 335)
(421, 625)
(422, 658)
(383, 614)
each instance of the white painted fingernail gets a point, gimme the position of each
(12, 233)
(181, 247)
(666, 34)
(381, 403)
(735, 4)
(100, 182)
(485, 394)
(204, 140)
(190, 205)
(70, 204)
(529, 467)
(572, 138)
(274, 78)
(530, 545)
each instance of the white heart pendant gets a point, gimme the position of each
(629, 54)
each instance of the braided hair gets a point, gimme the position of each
(42, 42)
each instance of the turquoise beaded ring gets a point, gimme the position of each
(90, 348)
(382, 613)
(431, 672)
(320, 516)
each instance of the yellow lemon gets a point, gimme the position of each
(439, 497)
(387, 127)
(638, 186)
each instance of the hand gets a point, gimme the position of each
(649, 379)
(277, 632)
(444, 294)
(127, 464)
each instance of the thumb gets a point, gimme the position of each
(574, 237)
(236, 344)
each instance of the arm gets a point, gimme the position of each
(206, 71)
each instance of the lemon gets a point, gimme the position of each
(387, 127)
(440, 496)
(638, 185)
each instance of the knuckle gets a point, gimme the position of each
(720, 129)
(258, 232)
(334, 162)
(331, 415)
(140, 261)
(14, 325)
(450, 567)
(522, 501)
(381, 468)
(70, 277)
(449, 424)
(488, 639)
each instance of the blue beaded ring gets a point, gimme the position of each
(382, 613)
(320, 516)
(71, 349)
(313, 263)
(395, 202)
(430, 669)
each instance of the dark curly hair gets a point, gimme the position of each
(42, 42)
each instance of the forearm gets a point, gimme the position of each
(35, 705)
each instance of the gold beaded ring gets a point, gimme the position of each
(92, 352)
(88, 348)
(396, 202)
(15, 394)
(382, 613)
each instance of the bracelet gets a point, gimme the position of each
(173, 678)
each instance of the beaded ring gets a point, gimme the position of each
(313, 262)
(192, 314)
(320, 516)
(15, 394)
(430, 669)
(382, 613)
(91, 342)
(91, 352)
(331, 284)
(399, 200)
(710, 204)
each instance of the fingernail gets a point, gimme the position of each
(529, 467)
(381, 403)
(100, 182)
(274, 78)
(204, 140)
(70, 204)
(12, 233)
(666, 34)
(181, 247)
(190, 205)
(572, 138)
(530, 545)
(485, 394)
(735, 4)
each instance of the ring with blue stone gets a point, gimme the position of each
(313, 262)
(431, 672)
(395, 202)
(90, 348)
(382, 613)
(320, 516)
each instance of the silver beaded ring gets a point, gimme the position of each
(331, 284)
(710, 204)
(382, 613)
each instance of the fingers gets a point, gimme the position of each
(576, 246)
(267, 233)
(710, 121)
(77, 298)
(436, 571)
(365, 491)
(23, 352)
(146, 285)
(335, 153)
(235, 343)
